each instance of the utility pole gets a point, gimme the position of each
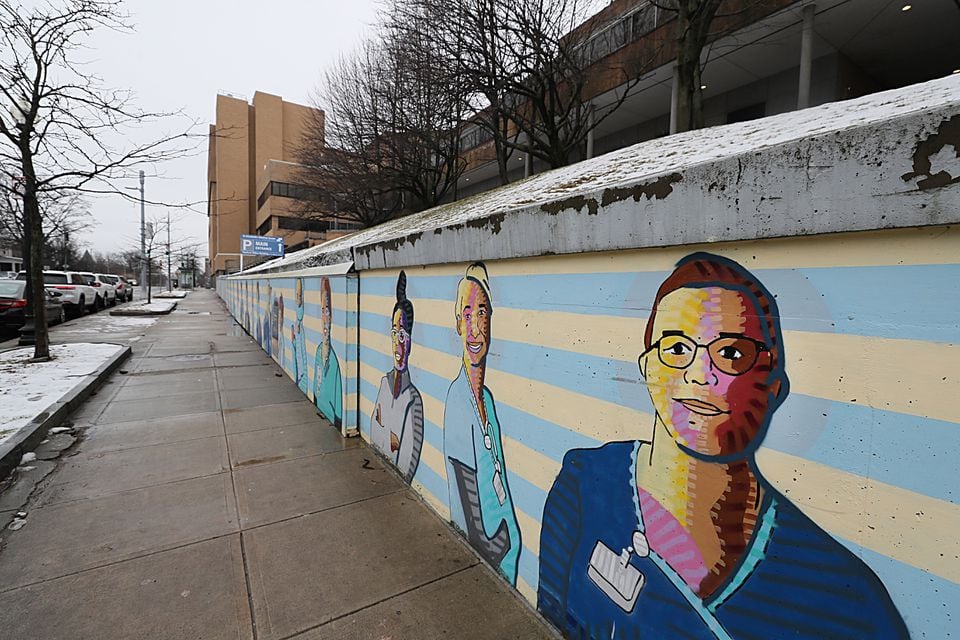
(169, 281)
(143, 236)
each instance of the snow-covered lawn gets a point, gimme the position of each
(28, 388)
(170, 294)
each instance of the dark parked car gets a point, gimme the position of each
(13, 303)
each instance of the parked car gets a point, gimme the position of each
(130, 285)
(119, 287)
(13, 303)
(106, 293)
(76, 294)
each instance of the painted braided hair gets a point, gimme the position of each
(403, 304)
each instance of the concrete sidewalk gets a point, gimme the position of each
(206, 499)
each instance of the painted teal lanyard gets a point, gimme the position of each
(706, 612)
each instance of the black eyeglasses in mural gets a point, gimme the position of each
(396, 427)
(682, 536)
(479, 494)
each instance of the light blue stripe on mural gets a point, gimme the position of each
(885, 301)
(527, 497)
(870, 442)
(928, 603)
(529, 567)
(915, 302)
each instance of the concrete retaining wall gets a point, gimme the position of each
(785, 467)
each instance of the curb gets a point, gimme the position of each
(132, 311)
(32, 433)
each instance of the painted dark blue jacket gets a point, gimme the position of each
(794, 582)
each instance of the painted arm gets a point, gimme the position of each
(559, 536)
(411, 439)
(337, 394)
(494, 548)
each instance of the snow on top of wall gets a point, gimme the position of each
(641, 162)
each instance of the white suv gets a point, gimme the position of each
(108, 290)
(75, 293)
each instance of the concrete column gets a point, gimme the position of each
(806, 57)
(674, 99)
(590, 137)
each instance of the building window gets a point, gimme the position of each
(288, 190)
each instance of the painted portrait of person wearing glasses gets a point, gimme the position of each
(327, 384)
(396, 427)
(682, 536)
(480, 501)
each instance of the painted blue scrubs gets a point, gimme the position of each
(328, 387)
(795, 581)
(464, 442)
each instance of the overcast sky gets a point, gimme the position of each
(182, 53)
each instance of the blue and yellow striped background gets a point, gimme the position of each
(866, 443)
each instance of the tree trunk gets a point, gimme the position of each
(36, 298)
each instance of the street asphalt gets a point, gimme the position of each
(204, 498)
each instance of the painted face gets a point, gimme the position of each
(401, 341)
(474, 324)
(714, 398)
(325, 315)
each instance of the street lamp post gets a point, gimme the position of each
(143, 234)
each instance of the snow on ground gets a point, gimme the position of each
(104, 324)
(170, 294)
(144, 308)
(156, 307)
(28, 388)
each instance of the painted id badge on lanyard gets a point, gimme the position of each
(498, 487)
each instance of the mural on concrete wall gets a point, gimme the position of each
(822, 508)
(682, 536)
(328, 385)
(479, 493)
(265, 340)
(298, 340)
(396, 426)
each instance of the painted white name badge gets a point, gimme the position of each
(615, 576)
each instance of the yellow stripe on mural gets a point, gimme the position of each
(905, 376)
(442, 509)
(529, 531)
(910, 527)
(527, 590)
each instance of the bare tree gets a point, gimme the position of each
(392, 122)
(63, 217)
(61, 129)
(698, 23)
